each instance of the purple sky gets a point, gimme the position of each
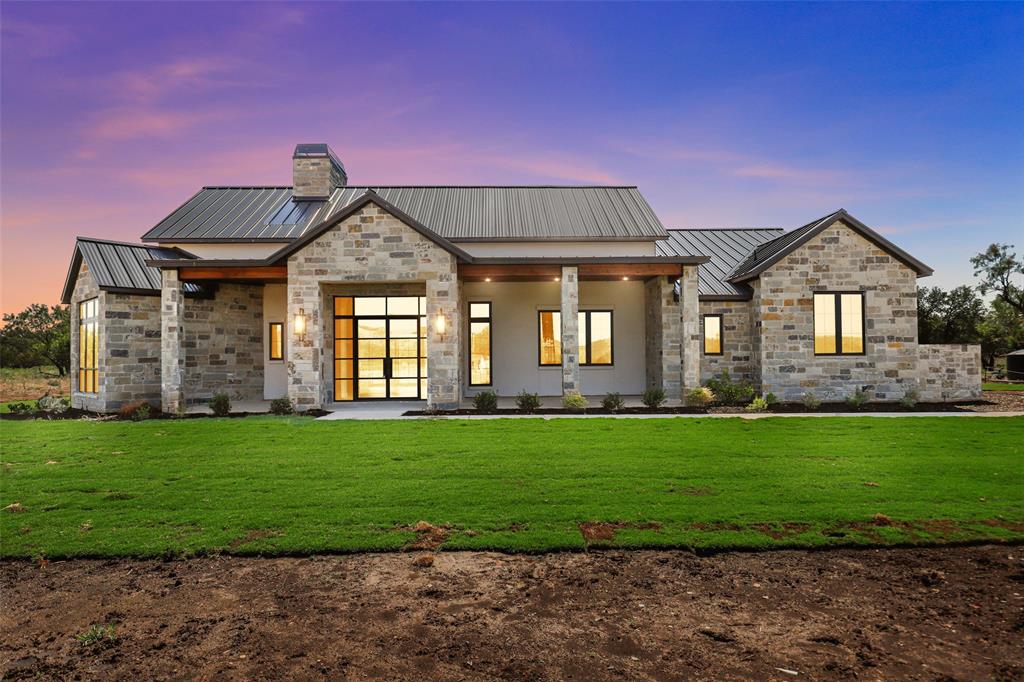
(910, 116)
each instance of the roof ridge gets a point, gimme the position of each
(116, 242)
(372, 185)
(722, 229)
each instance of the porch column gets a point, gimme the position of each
(305, 326)
(172, 343)
(690, 332)
(570, 330)
(444, 390)
(664, 332)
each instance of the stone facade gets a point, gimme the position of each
(837, 259)
(316, 176)
(737, 341)
(949, 372)
(172, 343)
(371, 246)
(690, 331)
(570, 306)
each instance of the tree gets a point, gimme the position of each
(38, 335)
(1001, 331)
(949, 316)
(998, 267)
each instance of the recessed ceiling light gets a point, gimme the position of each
(487, 279)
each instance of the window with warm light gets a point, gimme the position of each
(839, 323)
(88, 346)
(276, 341)
(480, 344)
(712, 335)
(595, 337)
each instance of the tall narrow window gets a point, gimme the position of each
(276, 339)
(479, 344)
(595, 337)
(88, 346)
(839, 324)
(712, 335)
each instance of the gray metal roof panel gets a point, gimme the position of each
(483, 213)
(725, 247)
(122, 266)
(767, 251)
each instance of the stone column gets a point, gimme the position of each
(664, 334)
(443, 380)
(690, 331)
(306, 388)
(172, 343)
(570, 330)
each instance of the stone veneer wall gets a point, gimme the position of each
(838, 259)
(672, 334)
(949, 372)
(737, 341)
(223, 344)
(371, 245)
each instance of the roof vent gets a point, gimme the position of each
(316, 172)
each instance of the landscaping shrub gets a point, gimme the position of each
(52, 405)
(613, 402)
(654, 397)
(574, 402)
(757, 405)
(485, 401)
(137, 411)
(811, 401)
(220, 404)
(527, 402)
(700, 397)
(21, 408)
(771, 398)
(909, 399)
(857, 399)
(281, 406)
(729, 392)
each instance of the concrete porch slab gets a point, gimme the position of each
(385, 409)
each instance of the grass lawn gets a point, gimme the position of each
(294, 485)
(994, 386)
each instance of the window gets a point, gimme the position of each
(88, 346)
(276, 341)
(595, 337)
(479, 344)
(712, 335)
(839, 324)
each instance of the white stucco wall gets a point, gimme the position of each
(514, 307)
(275, 372)
(554, 249)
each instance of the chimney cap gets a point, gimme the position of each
(315, 149)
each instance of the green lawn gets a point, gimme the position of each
(995, 386)
(294, 485)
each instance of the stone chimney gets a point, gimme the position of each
(316, 172)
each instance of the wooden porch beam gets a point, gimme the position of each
(266, 273)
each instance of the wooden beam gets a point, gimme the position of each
(620, 270)
(526, 272)
(266, 273)
(509, 273)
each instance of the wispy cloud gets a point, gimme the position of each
(36, 39)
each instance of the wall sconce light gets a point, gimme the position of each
(300, 323)
(440, 324)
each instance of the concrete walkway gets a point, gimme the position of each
(384, 409)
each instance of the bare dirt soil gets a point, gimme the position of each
(932, 614)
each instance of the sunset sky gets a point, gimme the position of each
(910, 116)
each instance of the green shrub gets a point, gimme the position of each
(485, 401)
(811, 401)
(857, 399)
(729, 392)
(757, 405)
(700, 397)
(771, 398)
(527, 402)
(21, 408)
(909, 399)
(281, 406)
(137, 411)
(220, 404)
(574, 402)
(613, 402)
(654, 397)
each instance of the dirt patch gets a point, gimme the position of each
(932, 613)
(252, 536)
(428, 536)
(601, 531)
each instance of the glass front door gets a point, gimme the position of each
(380, 347)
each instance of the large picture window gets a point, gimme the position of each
(88, 346)
(712, 335)
(595, 337)
(839, 323)
(480, 344)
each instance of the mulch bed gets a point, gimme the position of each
(953, 613)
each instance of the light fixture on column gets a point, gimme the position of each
(440, 324)
(300, 323)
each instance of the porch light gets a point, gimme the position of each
(558, 279)
(440, 323)
(300, 323)
(625, 279)
(487, 279)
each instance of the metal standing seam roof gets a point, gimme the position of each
(484, 213)
(119, 266)
(767, 251)
(726, 247)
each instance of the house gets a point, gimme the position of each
(328, 293)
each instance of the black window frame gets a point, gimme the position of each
(270, 341)
(586, 342)
(704, 334)
(490, 341)
(837, 300)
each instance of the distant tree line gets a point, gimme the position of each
(38, 335)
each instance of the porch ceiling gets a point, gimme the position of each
(595, 269)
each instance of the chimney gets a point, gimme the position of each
(316, 172)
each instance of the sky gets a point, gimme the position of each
(910, 116)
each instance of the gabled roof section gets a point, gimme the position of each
(726, 248)
(456, 213)
(121, 267)
(769, 253)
